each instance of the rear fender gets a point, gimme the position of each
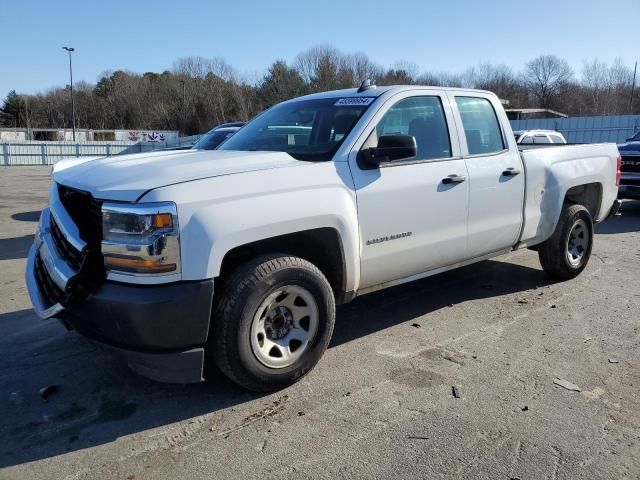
(551, 174)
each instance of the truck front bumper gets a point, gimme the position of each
(161, 329)
(629, 191)
(629, 186)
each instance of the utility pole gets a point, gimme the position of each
(184, 106)
(633, 87)
(73, 105)
(26, 113)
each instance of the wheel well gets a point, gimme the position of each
(320, 246)
(589, 195)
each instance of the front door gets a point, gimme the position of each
(412, 213)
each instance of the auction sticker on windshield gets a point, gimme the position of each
(354, 101)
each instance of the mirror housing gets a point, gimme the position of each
(391, 148)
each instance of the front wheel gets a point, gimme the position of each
(273, 322)
(566, 253)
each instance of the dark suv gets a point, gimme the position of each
(630, 181)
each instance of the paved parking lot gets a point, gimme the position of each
(380, 403)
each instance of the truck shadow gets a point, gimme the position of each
(95, 399)
(32, 216)
(16, 247)
(98, 399)
(629, 221)
(386, 308)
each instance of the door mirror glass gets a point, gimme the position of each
(391, 148)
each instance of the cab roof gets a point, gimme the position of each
(376, 91)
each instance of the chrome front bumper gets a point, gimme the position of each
(39, 304)
(58, 270)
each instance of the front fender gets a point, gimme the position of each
(219, 214)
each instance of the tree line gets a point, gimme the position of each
(199, 93)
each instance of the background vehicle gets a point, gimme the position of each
(526, 137)
(237, 257)
(209, 141)
(214, 137)
(630, 181)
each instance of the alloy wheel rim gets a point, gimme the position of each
(577, 242)
(284, 326)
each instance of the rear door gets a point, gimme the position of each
(496, 174)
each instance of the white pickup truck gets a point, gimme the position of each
(237, 257)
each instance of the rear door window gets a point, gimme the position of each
(557, 139)
(481, 126)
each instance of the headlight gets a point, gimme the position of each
(141, 239)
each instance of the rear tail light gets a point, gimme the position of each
(619, 171)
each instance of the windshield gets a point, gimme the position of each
(306, 130)
(212, 139)
(635, 138)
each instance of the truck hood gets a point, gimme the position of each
(127, 177)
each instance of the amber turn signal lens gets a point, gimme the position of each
(137, 265)
(163, 220)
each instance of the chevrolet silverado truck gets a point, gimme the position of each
(236, 258)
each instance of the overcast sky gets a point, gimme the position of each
(436, 35)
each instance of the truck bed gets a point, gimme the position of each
(553, 171)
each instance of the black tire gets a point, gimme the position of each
(553, 253)
(229, 344)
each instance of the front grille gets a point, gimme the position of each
(50, 292)
(630, 163)
(72, 256)
(630, 181)
(86, 213)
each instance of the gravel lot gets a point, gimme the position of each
(380, 403)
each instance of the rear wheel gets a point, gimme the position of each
(566, 253)
(273, 322)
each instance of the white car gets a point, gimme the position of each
(529, 137)
(237, 257)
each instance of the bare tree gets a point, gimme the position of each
(440, 79)
(607, 88)
(200, 92)
(361, 68)
(545, 77)
(200, 67)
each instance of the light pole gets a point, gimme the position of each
(633, 87)
(73, 104)
(184, 106)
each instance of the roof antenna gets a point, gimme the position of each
(366, 85)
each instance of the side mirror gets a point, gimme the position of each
(390, 148)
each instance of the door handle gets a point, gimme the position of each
(511, 172)
(453, 179)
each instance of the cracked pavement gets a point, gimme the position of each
(379, 404)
